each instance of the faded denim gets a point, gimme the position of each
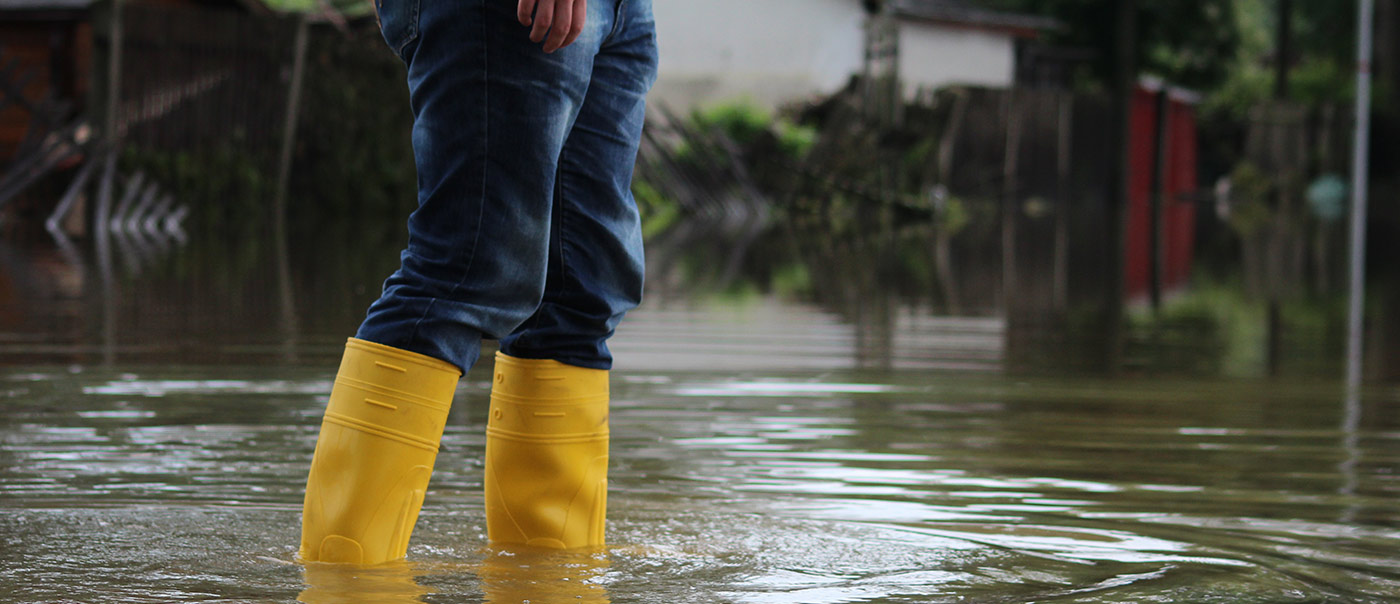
(526, 230)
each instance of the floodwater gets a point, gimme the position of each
(155, 438)
(177, 483)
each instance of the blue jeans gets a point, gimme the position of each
(526, 230)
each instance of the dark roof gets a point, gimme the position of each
(252, 6)
(959, 12)
(44, 4)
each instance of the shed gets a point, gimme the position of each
(778, 51)
(45, 53)
(948, 42)
(46, 62)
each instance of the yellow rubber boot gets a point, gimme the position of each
(546, 454)
(378, 441)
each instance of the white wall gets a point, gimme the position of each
(771, 51)
(778, 51)
(939, 55)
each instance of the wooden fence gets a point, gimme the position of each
(192, 78)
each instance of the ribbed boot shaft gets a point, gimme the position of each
(546, 454)
(379, 439)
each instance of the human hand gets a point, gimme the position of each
(562, 20)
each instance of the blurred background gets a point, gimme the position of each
(1024, 186)
(947, 301)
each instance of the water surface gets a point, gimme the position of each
(761, 485)
(796, 419)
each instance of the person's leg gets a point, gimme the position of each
(547, 436)
(491, 111)
(595, 258)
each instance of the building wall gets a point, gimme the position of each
(770, 51)
(932, 55)
(778, 51)
(54, 54)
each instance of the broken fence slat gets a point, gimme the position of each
(148, 197)
(133, 187)
(70, 197)
(151, 225)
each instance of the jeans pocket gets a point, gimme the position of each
(398, 21)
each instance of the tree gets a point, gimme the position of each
(1187, 43)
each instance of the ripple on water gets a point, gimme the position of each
(160, 488)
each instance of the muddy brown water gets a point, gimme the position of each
(173, 483)
(156, 429)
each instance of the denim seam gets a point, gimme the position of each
(412, 28)
(618, 16)
(486, 145)
(564, 204)
(563, 266)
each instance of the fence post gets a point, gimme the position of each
(279, 206)
(1155, 267)
(1010, 209)
(114, 75)
(1116, 200)
(1063, 149)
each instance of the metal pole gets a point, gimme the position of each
(114, 76)
(1360, 163)
(279, 206)
(1125, 87)
(289, 125)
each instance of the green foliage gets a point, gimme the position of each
(742, 120)
(1245, 89)
(1183, 42)
(1223, 48)
(746, 124)
(1325, 30)
(1187, 43)
(227, 186)
(1249, 196)
(792, 280)
(1219, 325)
(1212, 329)
(795, 140)
(658, 211)
(1320, 61)
(1322, 80)
(954, 216)
(349, 8)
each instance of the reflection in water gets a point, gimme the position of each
(778, 437)
(514, 575)
(797, 294)
(506, 575)
(180, 483)
(1351, 436)
(390, 583)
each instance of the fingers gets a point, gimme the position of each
(576, 26)
(557, 23)
(544, 18)
(563, 23)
